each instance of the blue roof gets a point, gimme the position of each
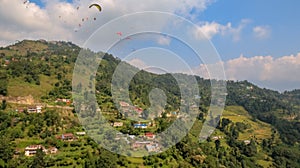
(140, 124)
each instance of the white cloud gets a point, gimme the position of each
(137, 63)
(262, 32)
(58, 20)
(162, 40)
(276, 73)
(210, 29)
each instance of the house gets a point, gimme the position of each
(38, 109)
(66, 101)
(216, 137)
(124, 104)
(138, 125)
(31, 109)
(20, 110)
(34, 109)
(194, 106)
(132, 136)
(67, 137)
(152, 147)
(52, 150)
(117, 124)
(247, 142)
(80, 133)
(150, 135)
(32, 149)
(140, 144)
(138, 110)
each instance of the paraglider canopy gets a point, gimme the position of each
(119, 33)
(97, 6)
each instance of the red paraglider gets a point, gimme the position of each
(119, 33)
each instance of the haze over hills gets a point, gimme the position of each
(267, 119)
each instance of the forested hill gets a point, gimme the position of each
(43, 70)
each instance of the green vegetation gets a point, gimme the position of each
(259, 127)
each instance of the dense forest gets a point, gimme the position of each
(259, 127)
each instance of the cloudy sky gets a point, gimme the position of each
(256, 40)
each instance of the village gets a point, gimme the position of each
(146, 141)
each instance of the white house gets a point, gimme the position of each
(32, 149)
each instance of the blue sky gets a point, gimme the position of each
(42, 3)
(257, 40)
(280, 16)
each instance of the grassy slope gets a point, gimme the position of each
(258, 128)
(17, 87)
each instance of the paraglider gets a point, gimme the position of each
(97, 6)
(26, 2)
(119, 33)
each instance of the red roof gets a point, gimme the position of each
(124, 104)
(149, 134)
(138, 109)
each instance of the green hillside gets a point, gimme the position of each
(259, 127)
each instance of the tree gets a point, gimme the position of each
(250, 149)
(3, 83)
(3, 106)
(39, 159)
(218, 144)
(224, 123)
(6, 149)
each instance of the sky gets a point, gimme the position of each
(256, 40)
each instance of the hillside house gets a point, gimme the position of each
(117, 124)
(34, 109)
(67, 137)
(139, 125)
(140, 144)
(52, 150)
(32, 149)
(124, 104)
(20, 110)
(138, 110)
(247, 142)
(65, 101)
(216, 138)
(80, 133)
(150, 135)
(152, 147)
